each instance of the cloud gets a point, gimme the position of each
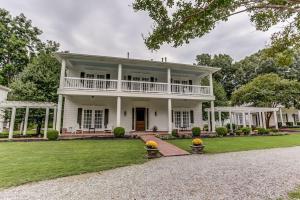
(112, 28)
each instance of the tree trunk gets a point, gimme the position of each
(268, 117)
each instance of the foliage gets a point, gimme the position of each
(177, 22)
(197, 142)
(174, 133)
(196, 131)
(268, 91)
(221, 131)
(238, 132)
(151, 144)
(246, 130)
(232, 144)
(263, 131)
(52, 135)
(228, 126)
(119, 132)
(23, 162)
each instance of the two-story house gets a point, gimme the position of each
(98, 93)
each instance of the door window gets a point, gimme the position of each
(87, 119)
(98, 119)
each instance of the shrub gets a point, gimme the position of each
(119, 132)
(246, 130)
(52, 135)
(228, 126)
(174, 133)
(274, 130)
(222, 131)
(263, 131)
(197, 142)
(238, 132)
(151, 144)
(196, 131)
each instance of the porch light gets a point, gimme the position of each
(125, 113)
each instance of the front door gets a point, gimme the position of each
(140, 119)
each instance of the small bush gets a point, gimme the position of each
(238, 132)
(289, 124)
(222, 131)
(196, 131)
(274, 130)
(52, 135)
(246, 130)
(174, 133)
(263, 131)
(119, 132)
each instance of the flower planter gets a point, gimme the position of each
(152, 153)
(197, 149)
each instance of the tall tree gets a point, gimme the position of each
(179, 21)
(269, 90)
(18, 43)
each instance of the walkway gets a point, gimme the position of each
(165, 148)
(248, 175)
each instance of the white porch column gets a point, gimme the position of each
(46, 123)
(275, 119)
(208, 121)
(26, 120)
(169, 80)
(213, 119)
(211, 84)
(118, 111)
(244, 119)
(170, 116)
(220, 118)
(260, 120)
(59, 111)
(62, 74)
(250, 119)
(54, 117)
(230, 121)
(12, 123)
(264, 119)
(281, 117)
(119, 77)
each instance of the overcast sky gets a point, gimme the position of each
(112, 28)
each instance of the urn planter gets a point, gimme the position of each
(152, 153)
(197, 149)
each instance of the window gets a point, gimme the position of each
(182, 119)
(185, 119)
(98, 119)
(177, 119)
(87, 119)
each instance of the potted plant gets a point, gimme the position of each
(197, 146)
(151, 147)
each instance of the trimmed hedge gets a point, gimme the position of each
(246, 130)
(174, 133)
(263, 131)
(222, 131)
(119, 132)
(196, 131)
(52, 134)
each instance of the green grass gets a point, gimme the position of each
(22, 162)
(28, 132)
(230, 144)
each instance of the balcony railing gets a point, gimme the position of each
(134, 86)
(91, 84)
(148, 87)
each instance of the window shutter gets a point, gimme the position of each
(129, 78)
(79, 117)
(147, 114)
(106, 116)
(82, 74)
(151, 79)
(190, 82)
(107, 76)
(192, 116)
(132, 118)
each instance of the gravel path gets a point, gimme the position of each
(261, 174)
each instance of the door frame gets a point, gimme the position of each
(136, 111)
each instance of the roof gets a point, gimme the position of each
(129, 61)
(4, 88)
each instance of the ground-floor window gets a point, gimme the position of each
(93, 118)
(182, 119)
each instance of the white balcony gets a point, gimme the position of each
(134, 86)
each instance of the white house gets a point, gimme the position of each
(3, 96)
(98, 93)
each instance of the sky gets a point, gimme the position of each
(112, 28)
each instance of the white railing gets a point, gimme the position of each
(147, 87)
(190, 89)
(92, 84)
(134, 86)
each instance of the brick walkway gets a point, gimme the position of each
(165, 148)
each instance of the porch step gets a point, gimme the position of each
(166, 149)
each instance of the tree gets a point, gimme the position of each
(269, 90)
(19, 42)
(179, 21)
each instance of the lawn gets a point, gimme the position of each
(22, 162)
(294, 194)
(230, 144)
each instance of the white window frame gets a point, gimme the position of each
(182, 111)
(94, 109)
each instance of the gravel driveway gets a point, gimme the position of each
(260, 174)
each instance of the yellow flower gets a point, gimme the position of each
(151, 144)
(197, 142)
